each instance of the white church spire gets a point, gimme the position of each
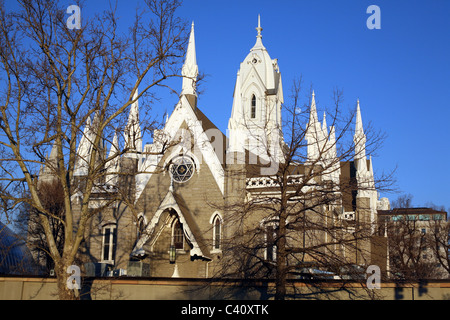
(358, 126)
(324, 124)
(315, 134)
(359, 140)
(313, 109)
(112, 166)
(257, 100)
(190, 68)
(48, 170)
(364, 172)
(364, 168)
(133, 136)
(83, 150)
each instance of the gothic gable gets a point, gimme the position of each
(175, 204)
(195, 131)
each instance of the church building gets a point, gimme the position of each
(184, 183)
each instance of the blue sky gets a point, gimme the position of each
(400, 72)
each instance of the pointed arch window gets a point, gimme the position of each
(217, 232)
(177, 235)
(253, 107)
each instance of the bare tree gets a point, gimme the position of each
(52, 198)
(418, 240)
(407, 245)
(292, 223)
(53, 80)
(403, 201)
(439, 245)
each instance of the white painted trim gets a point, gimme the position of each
(169, 202)
(113, 226)
(184, 113)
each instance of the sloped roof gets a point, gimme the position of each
(191, 231)
(192, 226)
(207, 125)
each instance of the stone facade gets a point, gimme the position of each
(183, 200)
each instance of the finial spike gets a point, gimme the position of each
(259, 29)
(358, 116)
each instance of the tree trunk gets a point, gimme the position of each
(281, 267)
(280, 283)
(64, 292)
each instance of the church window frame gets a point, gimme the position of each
(177, 238)
(271, 233)
(141, 225)
(253, 107)
(217, 232)
(109, 243)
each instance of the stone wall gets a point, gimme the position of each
(23, 288)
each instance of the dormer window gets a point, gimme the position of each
(253, 107)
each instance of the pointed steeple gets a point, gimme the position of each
(84, 148)
(114, 146)
(324, 124)
(112, 166)
(333, 138)
(371, 175)
(53, 157)
(255, 122)
(332, 162)
(236, 121)
(258, 44)
(359, 140)
(47, 172)
(236, 110)
(359, 126)
(313, 132)
(190, 68)
(313, 110)
(133, 137)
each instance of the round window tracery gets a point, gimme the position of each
(181, 169)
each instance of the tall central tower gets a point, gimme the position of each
(255, 122)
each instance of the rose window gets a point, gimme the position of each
(182, 169)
